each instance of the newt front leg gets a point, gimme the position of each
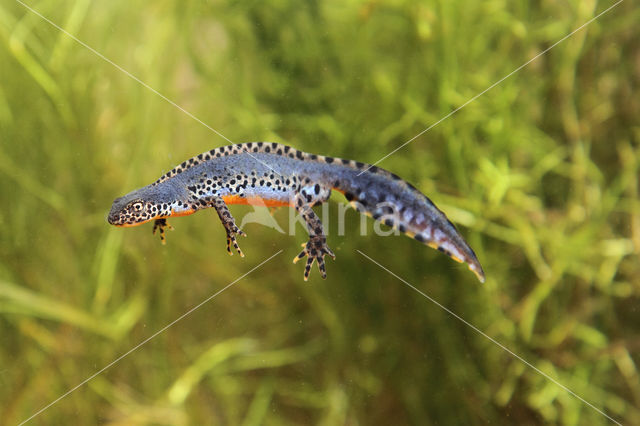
(229, 224)
(316, 248)
(161, 224)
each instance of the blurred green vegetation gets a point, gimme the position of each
(540, 173)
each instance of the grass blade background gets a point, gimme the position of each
(540, 173)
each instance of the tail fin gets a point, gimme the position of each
(391, 200)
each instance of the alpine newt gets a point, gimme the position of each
(271, 174)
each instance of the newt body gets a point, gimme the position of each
(272, 174)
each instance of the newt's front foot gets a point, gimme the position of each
(232, 231)
(161, 224)
(315, 248)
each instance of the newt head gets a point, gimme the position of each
(132, 210)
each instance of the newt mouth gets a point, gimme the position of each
(113, 219)
(129, 225)
(118, 219)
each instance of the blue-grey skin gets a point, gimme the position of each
(277, 173)
(145, 204)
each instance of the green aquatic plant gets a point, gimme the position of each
(540, 174)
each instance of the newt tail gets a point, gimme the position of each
(272, 174)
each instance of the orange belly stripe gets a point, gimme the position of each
(178, 214)
(254, 201)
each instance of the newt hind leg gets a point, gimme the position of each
(316, 248)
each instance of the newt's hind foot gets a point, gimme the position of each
(316, 248)
(161, 224)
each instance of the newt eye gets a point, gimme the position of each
(137, 206)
